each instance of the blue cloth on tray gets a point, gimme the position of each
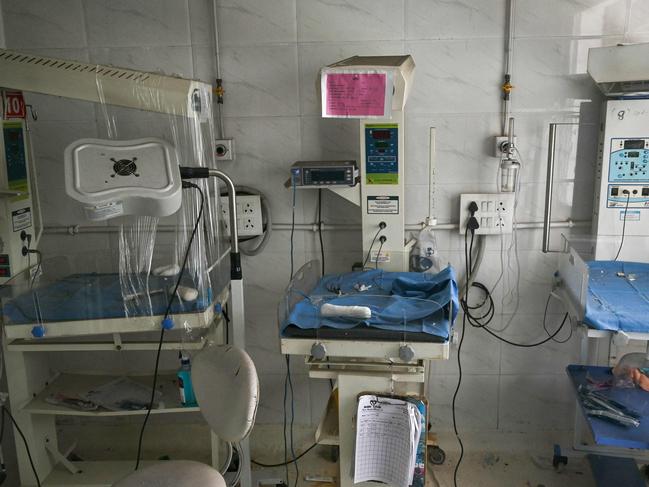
(94, 296)
(426, 303)
(618, 303)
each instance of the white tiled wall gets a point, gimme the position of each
(271, 51)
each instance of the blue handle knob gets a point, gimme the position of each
(38, 332)
(167, 323)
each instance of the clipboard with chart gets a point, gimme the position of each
(390, 440)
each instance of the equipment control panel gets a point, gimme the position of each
(628, 169)
(382, 153)
(323, 173)
(629, 160)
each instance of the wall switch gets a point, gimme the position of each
(500, 144)
(224, 149)
(249, 221)
(494, 214)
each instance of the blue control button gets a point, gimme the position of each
(167, 323)
(38, 332)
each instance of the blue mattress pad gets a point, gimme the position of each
(97, 296)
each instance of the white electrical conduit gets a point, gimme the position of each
(308, 227)
(432, 213)
(217, 67)
(509, 55)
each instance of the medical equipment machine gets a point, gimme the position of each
(20, 221)
(111, 178)
(373, 330)
(603, 278)
(323, 174)
(375, 89)
(109, 311)
(622, 196)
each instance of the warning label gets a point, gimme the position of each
(632, 216)
(21, 219)
(383, 205)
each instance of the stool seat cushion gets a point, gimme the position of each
(180, 473)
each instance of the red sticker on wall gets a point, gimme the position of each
(14, 104)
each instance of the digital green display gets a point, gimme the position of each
(381, 145)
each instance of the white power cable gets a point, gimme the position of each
(510, 292)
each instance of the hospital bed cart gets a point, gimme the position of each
(385, 351)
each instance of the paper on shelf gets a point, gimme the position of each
(122, 394)
(387, 437)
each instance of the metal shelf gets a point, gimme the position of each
(78, 384)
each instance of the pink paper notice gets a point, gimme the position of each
(355, 94)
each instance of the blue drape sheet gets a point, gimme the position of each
(618, 302)
(400, 301)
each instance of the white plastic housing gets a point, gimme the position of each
(111, 178)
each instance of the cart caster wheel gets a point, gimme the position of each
(436, 455)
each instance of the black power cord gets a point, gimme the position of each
(484, 320)
(288, 462)
(322, 252)
(545, 315)
(290, 385)
(20, 432)
(382, 225)
(626, 209)
(481, 321)
(378, 254)
(186, 184)
(459, 367)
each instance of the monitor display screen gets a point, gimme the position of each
(328, 175)
(634, 144)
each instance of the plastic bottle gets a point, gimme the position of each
(425, 255)
(187, 397)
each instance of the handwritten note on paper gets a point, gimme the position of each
(387, 436)
(356, 95)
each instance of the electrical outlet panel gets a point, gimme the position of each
(249, 221)
(494, 214)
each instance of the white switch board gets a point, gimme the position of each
(494, 214)
(249, 221)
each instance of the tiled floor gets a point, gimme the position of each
(497, 465)
(478, 470)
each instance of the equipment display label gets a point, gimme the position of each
(382, 257)
(21, 219)
(631, 216)
(383, 205)
(105, 211)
